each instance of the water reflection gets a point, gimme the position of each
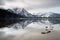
(22, 23)
(39, 26)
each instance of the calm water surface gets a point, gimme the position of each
(30, 29)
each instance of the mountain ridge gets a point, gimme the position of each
(22, 13)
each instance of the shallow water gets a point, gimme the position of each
(29, 29)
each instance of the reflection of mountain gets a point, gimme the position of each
(22, 23)
(54, 20)
(51, 21)
(45, 21)
(5, 23)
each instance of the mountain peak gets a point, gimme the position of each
(16, 10)
(20, 11)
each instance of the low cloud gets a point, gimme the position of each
(30, 4)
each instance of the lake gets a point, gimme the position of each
(31, 29)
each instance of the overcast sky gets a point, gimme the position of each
(33, 6)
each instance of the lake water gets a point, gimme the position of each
(32, 29)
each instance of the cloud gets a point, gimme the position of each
(1, 2)
(10, 0)
(33, 3)
(42, 3)
(30, 4)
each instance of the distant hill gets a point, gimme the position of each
(54, 15)
(50, 15)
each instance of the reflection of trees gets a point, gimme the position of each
(22, 23)
(4, 23)
(54, 20)
(50, 21)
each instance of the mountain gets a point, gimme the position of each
(6, 14)
(21, 12)
(55, 15)
(7, 17)
(50, 15)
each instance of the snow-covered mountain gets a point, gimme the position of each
(24, 13)
(54, 15)
(20, 11)
(51, 14)
(45, 15)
